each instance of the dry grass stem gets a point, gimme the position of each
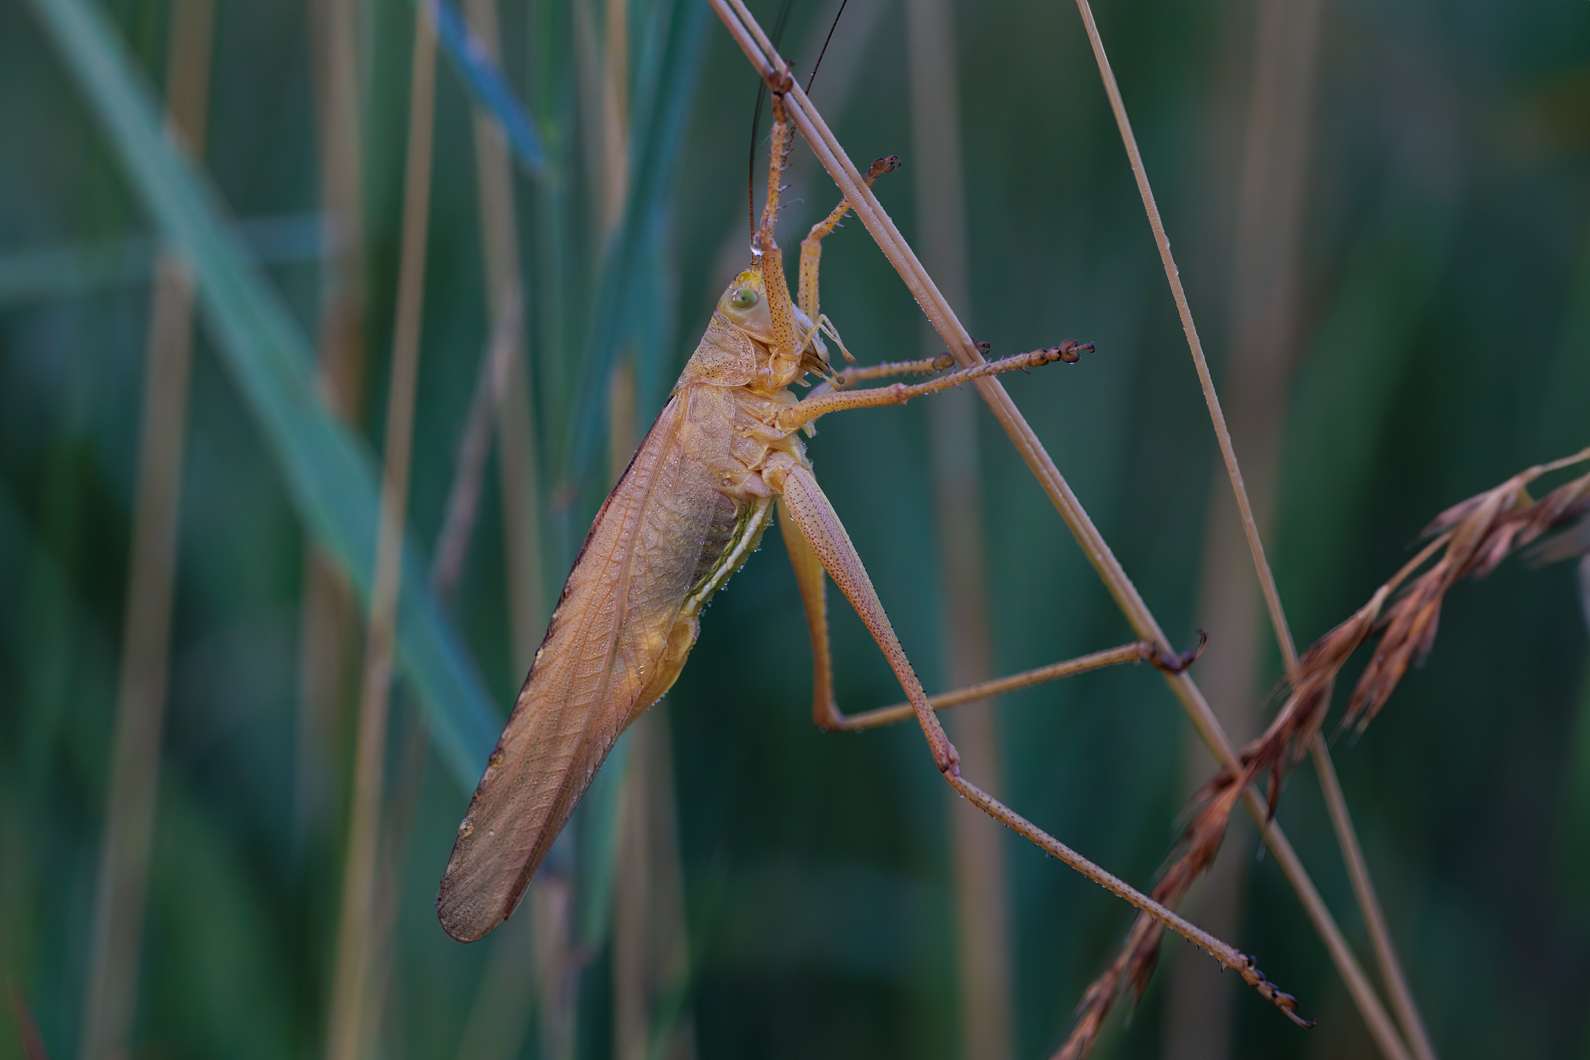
(328, 612)
(111, 996)
(1374, 920)
(1471, 539)
(516, 451)
(1262, 326)
(498, 1022)
(1412, 1023)
(757, 49)
(353, 1006)
(982, 928)
(446, 567)
(651, 956)
(29, 1038)
(1272, 597)
(463, 498)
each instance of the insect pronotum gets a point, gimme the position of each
(687, 513)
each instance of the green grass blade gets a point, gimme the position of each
(487, 88)
(659, 129)
(78, 270)
(329, 472)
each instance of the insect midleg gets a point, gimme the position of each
(813, 406)
(811, 515)
(1137, 651)
(826, 715)
(812, 245)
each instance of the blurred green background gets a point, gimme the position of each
(1435, 341)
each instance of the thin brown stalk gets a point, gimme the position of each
(447, 565)
(753, 42)
(463, 498)
(328, 612)
(650, 951)
(1391, 969)
(1379, 934)
(634, 988)
(112, 994)
(498, 1017)
(392, 851)
(987, 1022)
(1270, 199)
(352, 1003)
(31, 1041)
(648, 929)
(516, 441)
(556, 963)
(1272, 597)
(1472, 538)
(615, 112)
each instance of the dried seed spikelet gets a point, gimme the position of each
(1101, 995)
(1286, 741)
(1139, 954)
(1485, 530)
(1477, 535)
(1277, 751)
(1562, 506)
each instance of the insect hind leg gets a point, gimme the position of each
(807, 512)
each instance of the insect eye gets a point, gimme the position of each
(744, 298)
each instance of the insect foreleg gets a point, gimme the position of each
(810, 514)
(813, 406)
(812, 245)
(864, 373)
(786, 339)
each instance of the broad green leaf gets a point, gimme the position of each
(330, 473)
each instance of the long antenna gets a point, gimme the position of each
(826, 39)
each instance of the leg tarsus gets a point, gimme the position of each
(1175, 665)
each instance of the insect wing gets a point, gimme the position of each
(615, 643)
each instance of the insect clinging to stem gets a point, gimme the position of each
(686, 514)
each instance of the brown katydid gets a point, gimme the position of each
(686, 514)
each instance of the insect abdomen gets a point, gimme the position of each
(731, 537)
(719, 536)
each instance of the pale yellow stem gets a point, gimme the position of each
(753, 42)
(1348, 844)
(354, 1007)
(982, 930)
(111, 998)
